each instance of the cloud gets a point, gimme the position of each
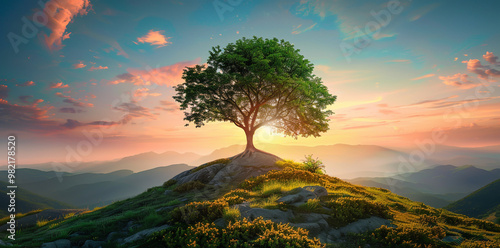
(458, 80)
(73, 101)
(169, 106)
(70, 110)
(475, 66)
(4, 91)
(72, 124)
(492, 72)
(59, 85)
(155, 38)
(491, 58)
(28, 118)
(60, 13)
(299, 30)
(142, 93)
(25, 84)
(79, 65)
(133, 111)
(93, 68)
(398, 61)
(167, 75)
(424, 76)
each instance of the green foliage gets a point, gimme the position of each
(313, 165)
(204, 211)
(169, 183)
(242, 233)
(256, 82)
(346, 210)
(312, 205)
(218, 161)
(409, 237)
(231, 214)
(189, 186)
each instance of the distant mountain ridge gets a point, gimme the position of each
(480, 203)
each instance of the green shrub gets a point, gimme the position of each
(185, 187)
(346, 210)
(218, 161)
(242, 233)
(312, 205)
(169, 183)
(313, 165)
(231, 214)
(204, 211)
(410, 236)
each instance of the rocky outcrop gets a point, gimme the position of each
(144, 233)
(240, 167)
(61, 243)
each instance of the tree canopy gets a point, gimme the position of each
(254, 83)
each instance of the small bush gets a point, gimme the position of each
(346, 210)
(242, 233)
(169, 183)
(231, 214)
(185, 187)
(313, 165)
(218, 161)
(312, 205)
(409, 236)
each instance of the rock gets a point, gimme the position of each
(275, 215)
(313, 228)
(144, 233)
(92, 244)
(359, 226)
(167, 192)
(204, 175)
(220, 222)
(111, 236)
(299, 196)
(61, 243)
(3, 243)
(130, 225)
(453, 239)
(167, 208)
(317, 218)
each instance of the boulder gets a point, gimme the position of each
(61, 243)
(144, 233)
(359, 226)
(299, 196)
(275, 215)
(92, 244)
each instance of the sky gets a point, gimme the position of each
(93, 80)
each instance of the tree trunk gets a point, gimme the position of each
(250, 147)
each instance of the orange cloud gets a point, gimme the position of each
(424, 76)
(73, 101)
(25, 84)
(59, 85)
(60, 13)
(167, 75)
(155, 38)
(93, 68)
(459, 80)
(491, 58)
(79, 65)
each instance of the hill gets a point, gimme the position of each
(481, 203)
(27, 201)
(282, 204)
(88, 190)
(437, 186)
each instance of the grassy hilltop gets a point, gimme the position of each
(195, 214)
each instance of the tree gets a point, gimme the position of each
(254, 83)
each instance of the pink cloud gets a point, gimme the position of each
(59, 85)
(459, 80)
(79, 65)
(475, 66)
(93, 68)
(155, 38)
(60, 13)
(25, 84)
(491, 58)
(424, 76)
(167, 75)
(73, 101)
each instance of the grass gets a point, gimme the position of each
(281, 187)
(231, 214)
(218, 161)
